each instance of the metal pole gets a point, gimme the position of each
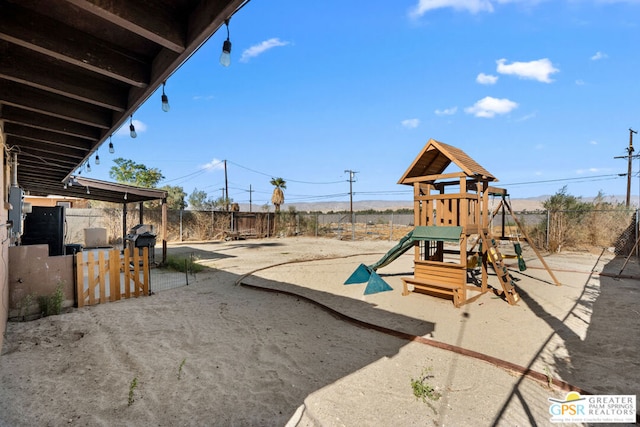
(226, 187)
(630, 152)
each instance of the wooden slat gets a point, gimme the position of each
(136, 272)
(127, 274)
(91, 281)
(101, 277)
(114, 275)
(80, 279)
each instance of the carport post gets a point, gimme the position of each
(164, 231)
(124, 225)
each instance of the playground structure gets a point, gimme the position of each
(453, 236)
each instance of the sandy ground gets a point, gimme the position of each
(219, 353)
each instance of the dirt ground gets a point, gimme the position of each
(223, 352)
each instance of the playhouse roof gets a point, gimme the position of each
(435, 157)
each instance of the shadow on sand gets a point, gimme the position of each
(604, 359)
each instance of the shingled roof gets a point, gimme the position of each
(434, 159)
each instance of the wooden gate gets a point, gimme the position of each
(111, 278)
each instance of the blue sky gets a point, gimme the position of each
(540, 93)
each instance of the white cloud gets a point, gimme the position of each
(580, 82)
(592, 170)
(472, 6)
(125, 131)
(599, 55)
(411, 123)
(260, 48)
(203, 97)
(527, 117)
(488, 107)
(486, 79)
(447, 111)
(593, 142)
(539, 70)
(214, 164)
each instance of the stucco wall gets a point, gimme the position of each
(33, 274)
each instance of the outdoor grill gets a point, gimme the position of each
(139, 237)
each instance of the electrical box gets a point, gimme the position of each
(16, 199)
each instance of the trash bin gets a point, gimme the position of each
(72, 249)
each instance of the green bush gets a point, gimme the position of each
(52, 304)
(182, 264)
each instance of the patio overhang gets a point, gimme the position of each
(74, 71)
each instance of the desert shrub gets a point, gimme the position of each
(182, 264)
(52, 304)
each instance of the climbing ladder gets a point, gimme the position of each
(496, 259)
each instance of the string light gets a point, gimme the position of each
(97, 161)
(165, 100)
(88, 167)
(132, 128)
(111, 149)
(225, 56)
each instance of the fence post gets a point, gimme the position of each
(353, 226)
(547, 234)
(391, 227)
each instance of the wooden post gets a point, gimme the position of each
(164, 231)
(101, 277)
(80, 279)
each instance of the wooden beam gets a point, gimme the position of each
(36, 100)
(431, 178)
(32, 134)
(56, 40)
(43, 122)
(63, 82)
(151, 20)
(59, 152)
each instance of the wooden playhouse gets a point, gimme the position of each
(453, 236)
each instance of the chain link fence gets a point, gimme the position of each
(553, 231)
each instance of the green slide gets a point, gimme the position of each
(367, 273)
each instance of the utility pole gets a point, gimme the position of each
(351, 180)
(630, 158)
(226, 188)
(250, 192)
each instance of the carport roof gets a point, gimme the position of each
(93, 189)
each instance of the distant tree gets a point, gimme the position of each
(277, 198)
(197, 199)
(565, 212)
(129, 172)
(175, 197)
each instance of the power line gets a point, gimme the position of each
(286, 179)
(579, 179)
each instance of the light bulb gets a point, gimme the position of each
(88, 192)
(165, 101)
(88, 167)
(111, 149)
(97, 161)
(225, 56)
(132, 131)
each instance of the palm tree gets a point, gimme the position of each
(277, 198)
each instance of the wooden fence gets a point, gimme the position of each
(113, 277)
